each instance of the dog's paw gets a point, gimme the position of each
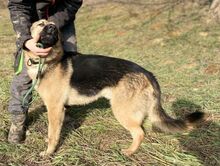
(43, 153)
(48, 152)
(127, 152)
(46, 140)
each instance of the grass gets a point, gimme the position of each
(179, 45)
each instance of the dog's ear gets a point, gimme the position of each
(37, 27)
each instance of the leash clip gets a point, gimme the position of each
(31, 61)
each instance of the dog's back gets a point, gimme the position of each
(92, 73)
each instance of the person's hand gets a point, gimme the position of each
(31, 44)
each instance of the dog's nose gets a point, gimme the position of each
(49, 35)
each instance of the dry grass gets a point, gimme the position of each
(179, 45)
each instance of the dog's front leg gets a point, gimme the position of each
(56, 115)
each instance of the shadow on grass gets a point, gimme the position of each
(202, 142)
(34, 115)
(75, 116)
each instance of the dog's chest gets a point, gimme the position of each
(32, 72)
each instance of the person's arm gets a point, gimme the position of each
(21, 12)
(66, 12)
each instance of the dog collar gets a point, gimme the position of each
(35, 61)
(32, 61)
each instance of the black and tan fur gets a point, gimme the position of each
(133, 92)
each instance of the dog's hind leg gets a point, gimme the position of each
(130, 102)
(131, 120)
(56, 115)
(137, 134)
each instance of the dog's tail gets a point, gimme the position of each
(165, 123)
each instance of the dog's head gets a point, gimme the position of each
(47, 35)
(46, 31)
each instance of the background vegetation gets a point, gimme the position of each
(176, 40)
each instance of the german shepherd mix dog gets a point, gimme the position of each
(133, 92)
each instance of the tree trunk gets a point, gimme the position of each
(215, 9)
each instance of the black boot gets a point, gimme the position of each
(18, 128)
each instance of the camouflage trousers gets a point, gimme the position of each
(21, 83)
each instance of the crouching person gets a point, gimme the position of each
(23, 13)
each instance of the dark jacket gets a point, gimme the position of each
(24, 12)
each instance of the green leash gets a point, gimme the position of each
(39, 71)
(40, 67)
(21, 62)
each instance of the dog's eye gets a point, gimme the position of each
(41, 24)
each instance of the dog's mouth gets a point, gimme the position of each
(49, 36)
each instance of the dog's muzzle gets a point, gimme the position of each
(49, 36)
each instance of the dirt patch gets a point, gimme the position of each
(212, 69)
